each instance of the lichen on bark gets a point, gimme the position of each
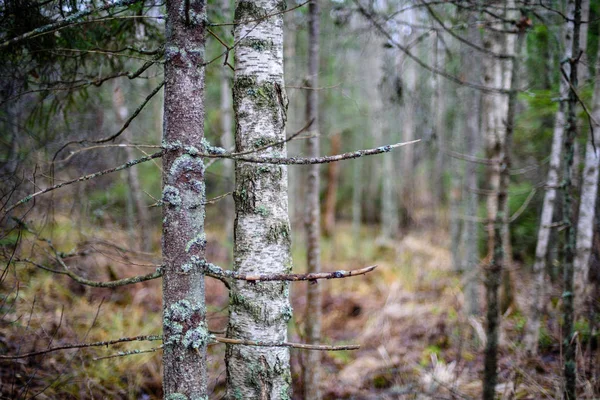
(260, 310)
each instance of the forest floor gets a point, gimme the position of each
(407, 315)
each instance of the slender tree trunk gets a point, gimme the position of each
(587, 205)
(569, 343)
(473, 132)
(500, 154)
(226, 129)
(185, 332)
(312, 361)
(387, 115)
(259, 311)
(141, 229)
(439, 128)
(539, 267)
(333, 176)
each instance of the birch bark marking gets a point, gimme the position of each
(587, 205)
(185, 332)
(539, 267)
(259, 311)
(569, 343)
(312, 361)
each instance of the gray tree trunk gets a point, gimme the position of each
(259, 311)
(389, 122)
(473, 133)
(142, 232)
(587, 204)
(312, 361)
(500, 114)
(539, 267)
(185, 332)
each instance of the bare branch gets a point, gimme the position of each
(65, 22)
(217, 272)
(128, 164)
(303, 346)
(84, 345)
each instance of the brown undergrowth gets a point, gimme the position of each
(416, 342)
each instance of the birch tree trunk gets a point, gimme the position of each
(569, 344)
(539, 267)
(226, 128)
(185, 333)
(500, 125)
(473, 131)
(312, 361)
(587, 205)
(259, 311)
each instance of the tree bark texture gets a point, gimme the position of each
(185, 332)
(312, 360)
(471, 201)
(259, 311)
(539, 267)
(569, 344)
(226, 130)
(500, 131)
(587, 205)
(333, 176)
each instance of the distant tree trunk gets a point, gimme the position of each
(539, 267)
(357, 196)
(185, 332)
(569, 344)
(587, 205)
(333, 176)
(408, 72)
(312, 360)
(226, 129)
(473, 140)
(259, 311)
(142, 231)
(388, 115)
(439, 128)
(500, 129)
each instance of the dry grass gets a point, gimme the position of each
(408, 317)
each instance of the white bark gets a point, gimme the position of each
(587, 203)
(259, 311)
(544, 230)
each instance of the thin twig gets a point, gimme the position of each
(260, 343)
(140, 338)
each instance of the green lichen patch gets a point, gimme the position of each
(262, 210)
(247, 10)
(176, 396)
(185, 164)
(257, 44)
(198, 241)
(279, 232)
(197, 337)
(171, 196)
